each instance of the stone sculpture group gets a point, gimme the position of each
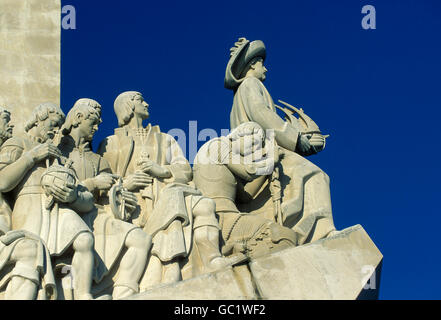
(76, 224)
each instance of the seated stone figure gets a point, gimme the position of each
(181, 221)
(121, 247)
(305, 195)
(47, 199)
(25, 265)
(226, 169)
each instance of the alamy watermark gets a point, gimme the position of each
(69, 17)
(369, 280)
(369, 21)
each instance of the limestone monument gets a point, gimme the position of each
(252, 219)
(30, 37)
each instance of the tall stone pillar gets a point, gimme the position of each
(30, 50)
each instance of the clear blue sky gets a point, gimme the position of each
(376, 92)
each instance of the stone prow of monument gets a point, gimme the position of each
(346, 266)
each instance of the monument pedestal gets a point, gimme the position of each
(345, 266)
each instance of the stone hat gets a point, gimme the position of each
(240, 55)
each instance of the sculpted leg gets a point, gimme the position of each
(82, 265)
(317, 208)
(25, 277)
(306, 202)
(152, 275)
(172, 272)
(133, 264)
(206, 236)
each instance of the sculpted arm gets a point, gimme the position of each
(108, 150)
(14, 164)
(178, 166)
(258, 111)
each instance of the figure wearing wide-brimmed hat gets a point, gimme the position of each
(306, 202)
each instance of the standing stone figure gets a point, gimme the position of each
(47, 199)
(228, 168)
(25, 265)
(306, 202)
(182, 223)
(114, 238)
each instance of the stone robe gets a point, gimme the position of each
(241, 232)
(43, 267)
(306, 202)
(110, 233)
(166, 205)
(57, 226)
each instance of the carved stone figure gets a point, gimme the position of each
(226, 169)
(122, 247)
(25, 265)
(305, 196)
(182, 223)
(45, 203)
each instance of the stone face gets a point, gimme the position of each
(333, 268)
(30, 38)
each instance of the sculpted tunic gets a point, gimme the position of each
(166, 205)
(241, 232)
(42, 270)
(57, 226)
(109, 232)
(306, 196)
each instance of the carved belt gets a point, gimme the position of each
(30, 190)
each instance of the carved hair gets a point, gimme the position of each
(3, 110)
(41, 113)
(124, 106)
(72, 120)
(89, 102)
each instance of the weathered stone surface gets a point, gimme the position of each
(333, 268)
(221, 285)
(30, 46)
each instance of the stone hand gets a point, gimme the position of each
(317, 140)
(104, 181)
(43, 151)
(64, 194)
(153, 169)
(130, 201)
(137, 181)
(303, 146)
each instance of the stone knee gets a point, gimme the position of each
(26, 249)
(139, 239)
(84, 242)
(204, 213)
(24, 255)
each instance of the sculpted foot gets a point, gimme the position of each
(121, 292)
(83, 296)
(223, 262)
